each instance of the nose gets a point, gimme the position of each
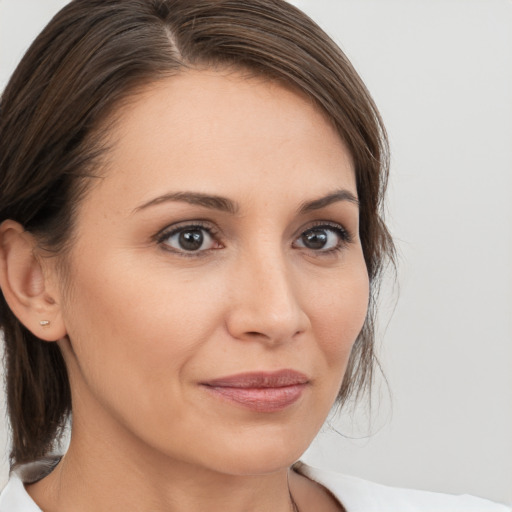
(265, 304)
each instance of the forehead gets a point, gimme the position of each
(201, 129)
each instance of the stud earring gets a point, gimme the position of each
(44, 323)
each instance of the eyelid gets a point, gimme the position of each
(342, 232)
(336, 226)
(212, 230)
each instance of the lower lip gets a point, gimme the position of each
(261, 399)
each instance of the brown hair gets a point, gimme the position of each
(93, 54)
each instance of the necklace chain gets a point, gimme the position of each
(295, 508)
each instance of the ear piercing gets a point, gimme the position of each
(44, 323)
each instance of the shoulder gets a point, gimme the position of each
(14, 497)
(358, 495)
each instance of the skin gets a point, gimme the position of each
(142, 323)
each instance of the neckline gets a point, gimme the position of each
(33, 472)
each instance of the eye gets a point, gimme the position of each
(189, 239)
(323, 238)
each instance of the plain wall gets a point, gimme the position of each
(441, 73)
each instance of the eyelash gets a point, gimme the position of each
(196, 225)
(345, 238)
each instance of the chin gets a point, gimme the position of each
(262, 453)
(258, 461)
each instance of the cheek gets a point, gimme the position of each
(140, 326)
(338, 313)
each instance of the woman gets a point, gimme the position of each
(191, 242)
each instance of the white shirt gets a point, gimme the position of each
(355, 494)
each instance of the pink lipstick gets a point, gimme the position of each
(260, 391)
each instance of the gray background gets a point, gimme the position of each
(441, 73)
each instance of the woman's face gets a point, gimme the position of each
(217, 282)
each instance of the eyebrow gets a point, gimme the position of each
(196, 198)
(334, 197)
(224, 204)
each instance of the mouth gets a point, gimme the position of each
(260, 391)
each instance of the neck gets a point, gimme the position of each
(113, 474)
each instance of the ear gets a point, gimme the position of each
(26, 284)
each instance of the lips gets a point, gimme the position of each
(260, 391)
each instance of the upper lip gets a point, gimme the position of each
(274, 379)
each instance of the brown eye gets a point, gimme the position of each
(315, 239)
(189, 239)
(323, 238)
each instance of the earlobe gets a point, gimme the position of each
(24, 283)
